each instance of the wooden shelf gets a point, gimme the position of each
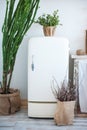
(79, 57)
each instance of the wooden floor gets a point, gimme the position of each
(21, 121)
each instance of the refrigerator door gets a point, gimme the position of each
(47, 57)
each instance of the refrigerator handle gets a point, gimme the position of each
(32, 65)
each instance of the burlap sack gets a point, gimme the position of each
(10, 103)
(64, 114)
(49, 30)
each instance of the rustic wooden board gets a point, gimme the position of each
(86, 42)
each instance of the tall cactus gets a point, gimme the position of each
(17, 22)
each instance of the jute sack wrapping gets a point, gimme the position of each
(10, 103)
(64, 114)
(49, 31)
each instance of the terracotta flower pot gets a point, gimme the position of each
(64, 114)
(49, 30)
(10, 103)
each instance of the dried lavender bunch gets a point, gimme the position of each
(65, 92)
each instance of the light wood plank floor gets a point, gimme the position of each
(21, 121)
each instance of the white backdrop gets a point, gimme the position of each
(73, 16)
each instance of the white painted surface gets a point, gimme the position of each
(41, 110)
(73, 16)
(79, 57)
(50, 57)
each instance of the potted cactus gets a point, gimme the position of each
(17, 22)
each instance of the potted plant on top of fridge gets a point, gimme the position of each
(18, 19)
(49, 22)
(66, 97)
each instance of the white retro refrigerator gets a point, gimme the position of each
(47, 57)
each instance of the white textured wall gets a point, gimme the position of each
(73, 16)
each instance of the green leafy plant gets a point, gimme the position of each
(49, 19)
(64, 92)
(17, 22)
